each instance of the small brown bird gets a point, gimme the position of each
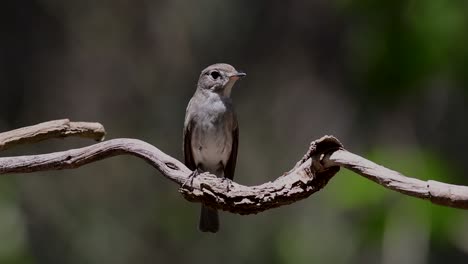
(211, 132)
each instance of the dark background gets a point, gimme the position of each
(388, 78)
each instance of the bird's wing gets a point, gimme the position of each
(231, 163)
(188, 157)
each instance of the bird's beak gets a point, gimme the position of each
(237, 76)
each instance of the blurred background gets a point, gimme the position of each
(388, 78)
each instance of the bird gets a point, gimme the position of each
(211, 131)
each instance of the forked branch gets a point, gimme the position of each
(321, 162)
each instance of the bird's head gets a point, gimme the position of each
(219, 78)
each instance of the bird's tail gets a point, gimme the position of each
(209, 220)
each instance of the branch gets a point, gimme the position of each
(437, 192)
(321, 162)
(51, 129)
(207, 188)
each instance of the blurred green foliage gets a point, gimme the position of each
(406, 42)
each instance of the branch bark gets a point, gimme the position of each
(321, 162)
(437, 192)
(51, 129)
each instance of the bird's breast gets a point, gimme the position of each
(212, 141)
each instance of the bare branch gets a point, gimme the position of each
(297, 184)
(321, 162)
(434, 191)
(51, 129)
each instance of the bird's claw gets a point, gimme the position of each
(229, 184)
(190, 178)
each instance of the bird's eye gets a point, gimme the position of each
(215, 75)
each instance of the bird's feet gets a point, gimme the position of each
(190, 178)
(229, 183)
